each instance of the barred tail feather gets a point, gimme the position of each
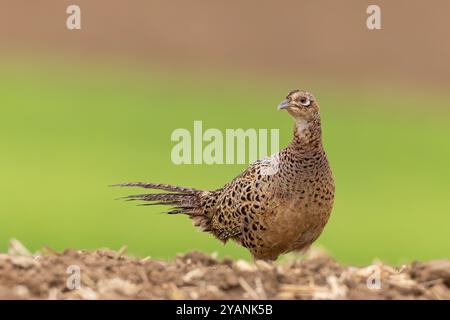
(159, 186)
(183, 200)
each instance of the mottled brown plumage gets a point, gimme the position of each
(278, 204)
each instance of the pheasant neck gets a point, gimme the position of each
(307, 135)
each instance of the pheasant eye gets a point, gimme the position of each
(305, 102)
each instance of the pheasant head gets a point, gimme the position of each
(301, 105)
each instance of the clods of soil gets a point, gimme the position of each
(106, 274)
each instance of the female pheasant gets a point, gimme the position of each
(278, 204)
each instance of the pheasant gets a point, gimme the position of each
(278, 204)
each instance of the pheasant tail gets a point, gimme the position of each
(183, 200)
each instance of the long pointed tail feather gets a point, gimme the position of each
(160, 186)
(182, 199)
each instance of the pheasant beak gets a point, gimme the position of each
(284, 104)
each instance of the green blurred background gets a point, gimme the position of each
(81, 110)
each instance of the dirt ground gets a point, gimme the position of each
(106, 274)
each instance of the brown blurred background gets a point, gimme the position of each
(320, 37)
